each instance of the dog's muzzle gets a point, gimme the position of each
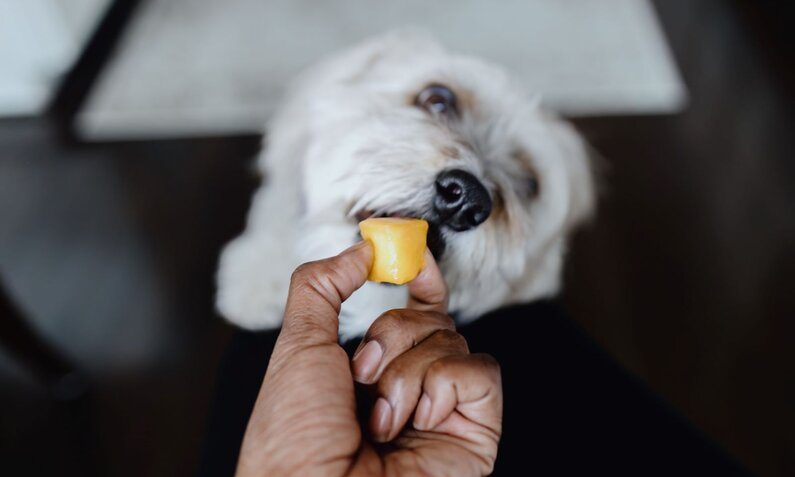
(461, 201)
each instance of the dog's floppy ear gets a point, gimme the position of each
(579, 158)
(394, 46)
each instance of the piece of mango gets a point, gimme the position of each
(398, 248)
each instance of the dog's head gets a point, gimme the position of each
(401, 127)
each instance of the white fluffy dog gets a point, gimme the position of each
(400, 126)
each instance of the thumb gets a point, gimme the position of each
(306, 405)
(317, 290)
(428, 292)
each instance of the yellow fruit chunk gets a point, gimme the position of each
(398, 246)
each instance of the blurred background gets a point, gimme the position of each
(127, 133)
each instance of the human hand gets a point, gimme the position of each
(304, 421)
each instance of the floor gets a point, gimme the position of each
(685, 276)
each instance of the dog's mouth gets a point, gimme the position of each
(436, 242)
(369, 214)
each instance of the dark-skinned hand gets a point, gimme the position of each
(438, 406)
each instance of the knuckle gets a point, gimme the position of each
(451, 338)
(315, 268)
(487, 360)
(395, 314)
(465, 367)
(302, 272)
(388, 321)
(488, 364)
(438, 369)
(318, 277)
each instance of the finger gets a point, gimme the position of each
(317, 290)
(391, 335)
(470, 385)
(428, 292)
(401, 383)
(308, 379)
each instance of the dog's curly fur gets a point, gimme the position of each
(350, 139)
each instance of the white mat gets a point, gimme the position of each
(199, 67)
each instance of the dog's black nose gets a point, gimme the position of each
(461, 201)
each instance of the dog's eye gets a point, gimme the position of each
(532, 186)
(437, 99)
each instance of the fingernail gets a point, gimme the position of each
(381, 420)
(423, 413)
(366, 361)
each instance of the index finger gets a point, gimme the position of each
(317, 290)
(428, 292)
